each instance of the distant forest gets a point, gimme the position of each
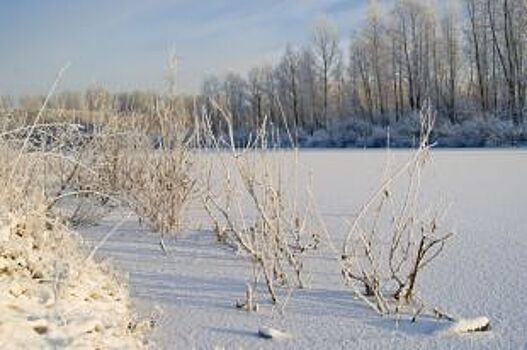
(466, 61)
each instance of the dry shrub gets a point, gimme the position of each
(259, 206)
(128, 162)
(150, 173)
(395, 237)
(157, 185)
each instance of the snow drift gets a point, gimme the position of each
(53, 295)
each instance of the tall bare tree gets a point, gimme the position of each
(325, 41)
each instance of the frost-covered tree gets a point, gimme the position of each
(326, 48)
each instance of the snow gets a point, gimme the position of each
(53, 296)
(482, 271)
(471, 325)
(271, 333)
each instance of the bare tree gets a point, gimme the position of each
(309, 96)
(325, 41)
(452, 53)
(478, 41)
(375, 31)
(256, 88)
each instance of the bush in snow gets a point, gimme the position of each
(258, 206)
(394, 238)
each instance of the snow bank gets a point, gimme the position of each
(52, 295)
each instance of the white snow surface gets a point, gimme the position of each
(470, 325)
(483, 271)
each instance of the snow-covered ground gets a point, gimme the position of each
(482, 272)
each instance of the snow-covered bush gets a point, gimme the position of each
(477, 132)
(145, 167)
(352, 133)
(156, 184)
(473, 131)
(394, 237)
(405, 133)
(258, 206)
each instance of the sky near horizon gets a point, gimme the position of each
(124, 44)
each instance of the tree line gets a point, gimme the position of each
(465, 59)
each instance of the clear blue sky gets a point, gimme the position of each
(124, 44)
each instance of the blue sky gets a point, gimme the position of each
(124, 44)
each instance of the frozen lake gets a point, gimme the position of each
(483, 271)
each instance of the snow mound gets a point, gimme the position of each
(479, 324)
(271, 333)
(52, 295)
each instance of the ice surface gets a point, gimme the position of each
(481, 273)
